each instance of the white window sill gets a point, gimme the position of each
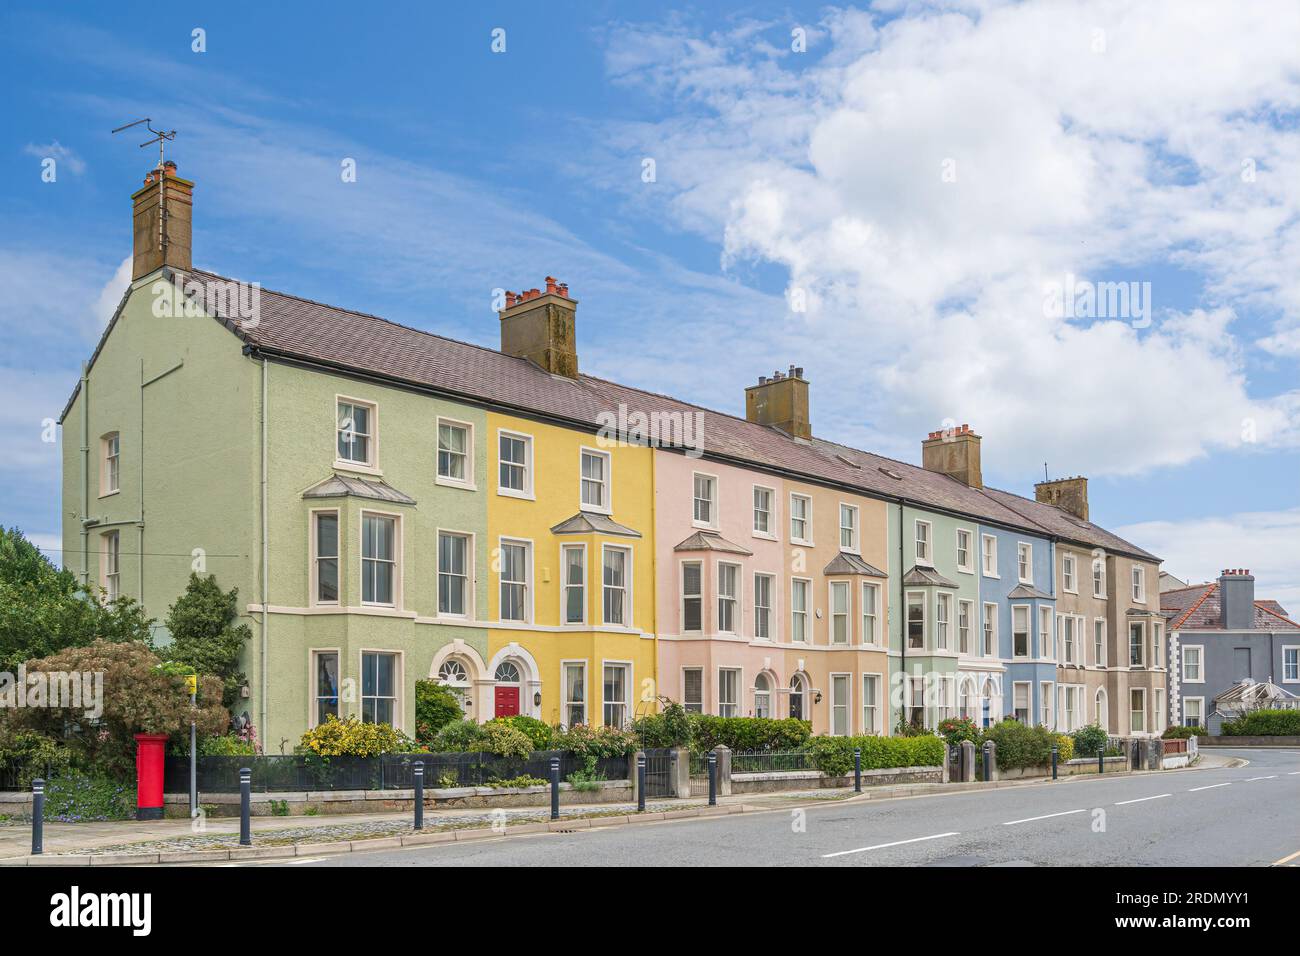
(357, 467)
(764, 535)
(511, 493)
(703, 525)
(109, 494)
(965, 570)
(453, 483)
(801, 542)
(593, 509)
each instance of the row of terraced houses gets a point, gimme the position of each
(394, 506)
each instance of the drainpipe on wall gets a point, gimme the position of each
(263, 730)
(85, 473)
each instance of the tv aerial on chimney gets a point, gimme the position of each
(160, 137)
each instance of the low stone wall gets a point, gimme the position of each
(1065, 768)
(330, 802)
(1249, 741)
(776, 781)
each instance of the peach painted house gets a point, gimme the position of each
(772, 596)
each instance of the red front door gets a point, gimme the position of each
(507, 702)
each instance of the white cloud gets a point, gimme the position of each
(63, 156)
(927, 177)
(1196, 549)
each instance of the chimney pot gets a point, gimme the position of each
(544, 334)
(780, 401)
(154, 248)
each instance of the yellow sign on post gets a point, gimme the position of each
(192, 682)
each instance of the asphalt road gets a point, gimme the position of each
(1244, 816)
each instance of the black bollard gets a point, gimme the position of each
(1055, 755)
(418, 772)
(555, 788)
(713, 779)
(988, 762)
(857, 769)
(245, 807)
(38, 816)
(1101, 759)
(640, 783)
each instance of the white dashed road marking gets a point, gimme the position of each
(881, 846)
(1210, 787)
(1045, 816)
(1143, 799)
(1270, 777)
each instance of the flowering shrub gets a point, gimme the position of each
(352, 738)
(955, 730)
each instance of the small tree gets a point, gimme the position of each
(44, 610)
(436, 705)
(139, 697)
(205, 636)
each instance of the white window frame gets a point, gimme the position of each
(110, 564)
(627, 690)
(1143, 711)
(690, 707)
(399, 671)
(628, 607)
(1028, 631)
(371, 464)
(734, 600)
(682, 596)
(967, 566)
(1098, 579)
(711, 484)
(807, 519)
(915, 599)
(805, 614)
(943, 620)
(467, 482)
(1139, 580)
(566, 586)
(1294, 649)
(988, 556)
(1157, 630)
(1046, 641)
(1025, 559)
(1029, 699)
(871, 722)
(731, 708)
(765, 695)
(770, 533)
(1142, 644)
(1069, 638)
(468, 578)
(110, 464)
(924, 543)
(528, 596)
(1069, 573)
(313, 701)
(1103, 645)
(854, 528)
(870, 621)
(1045, 696)
(965, 608)
(396, 603)
(989, 645)
(1200, 715)
(565, 703)
(526, 492)
(832, 615)
(314, 557)
(769, 608)
(846, 706)
(606, 484)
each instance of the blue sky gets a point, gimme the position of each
(1080, 144)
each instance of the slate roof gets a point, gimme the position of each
(1199, 608)
(1023, 591)
(297, 329)
(919, 577)
(587, 522)
(337, 486)
(710, 541)
(845, 563)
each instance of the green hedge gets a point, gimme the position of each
(834, 755)
(747, 733)
(1020, 746)
(1265, 723)
(1179, 732)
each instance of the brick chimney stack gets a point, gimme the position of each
(780, 401)
(171, 247)
(955, 452)
(540, 326)
(1068, 494)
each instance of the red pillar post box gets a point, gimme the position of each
(149, 750)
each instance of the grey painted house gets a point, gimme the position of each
(1221, 636)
